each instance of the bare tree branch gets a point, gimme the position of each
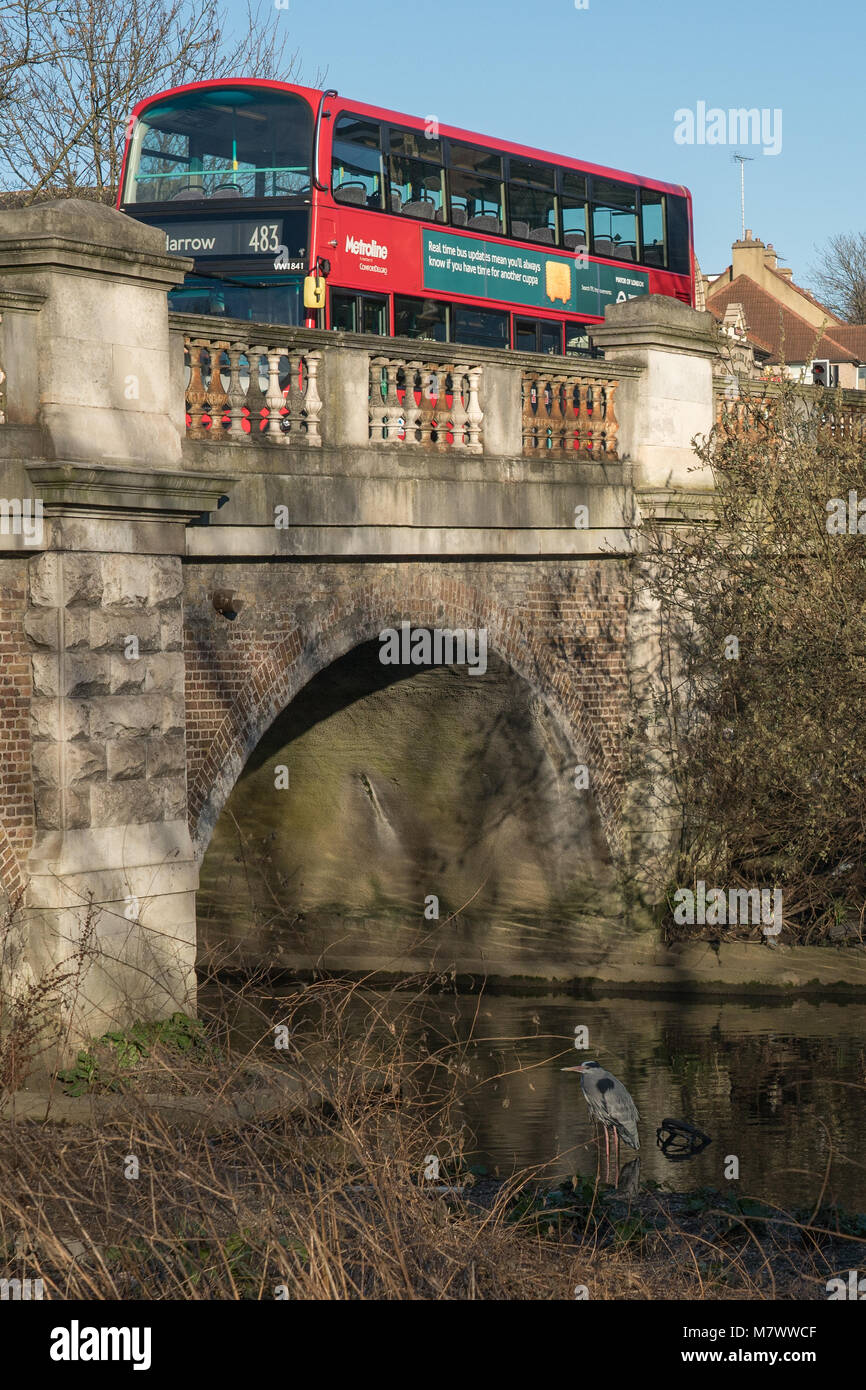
(71, 71)
(840, 276)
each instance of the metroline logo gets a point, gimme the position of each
(366, 248)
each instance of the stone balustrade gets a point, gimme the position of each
(568, 414)
(248, 391)
(744, 412)
(311, 386)
(433, 404)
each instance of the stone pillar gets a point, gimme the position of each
(88, 355)
(660, 412)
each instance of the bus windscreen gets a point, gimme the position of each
(227, 144)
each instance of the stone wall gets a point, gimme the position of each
(108, 709)
(16, 783)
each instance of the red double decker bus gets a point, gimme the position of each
(300, 206)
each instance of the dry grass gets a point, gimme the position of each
(325, 1199)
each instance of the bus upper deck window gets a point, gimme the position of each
(221, 143)
(475, 187)
(614, 220)
(532, 201)
(574, 224)
(356, 162)
(652, 218)
(679, 259)
(415, 175)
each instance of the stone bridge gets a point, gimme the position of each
(200, 518)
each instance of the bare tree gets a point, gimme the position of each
(77, 67)
(21, 43)
(840, 276)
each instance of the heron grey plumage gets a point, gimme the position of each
(610, 1104)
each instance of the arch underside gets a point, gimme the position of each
(299, 655)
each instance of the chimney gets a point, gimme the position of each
(770, 256)
(748, 258)
(786, 271)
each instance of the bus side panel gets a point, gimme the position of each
(380, 254)
(375, 253)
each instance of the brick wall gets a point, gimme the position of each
(562, 626)
(16, 783)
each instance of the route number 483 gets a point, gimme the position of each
(265, 238)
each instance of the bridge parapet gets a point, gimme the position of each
(354, 391)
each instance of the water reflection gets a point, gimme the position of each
(778, 1087)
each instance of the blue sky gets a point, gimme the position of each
(603, 83)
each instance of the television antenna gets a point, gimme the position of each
(743, 160)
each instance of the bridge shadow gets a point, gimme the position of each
(397, 817)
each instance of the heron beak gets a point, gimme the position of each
(580, 1068)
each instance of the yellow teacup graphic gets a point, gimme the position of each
(557, 281)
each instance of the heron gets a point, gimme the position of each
(610, 1105)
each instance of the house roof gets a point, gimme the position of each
(776, 328)
(853, 337)
(832, 318)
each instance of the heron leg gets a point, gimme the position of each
(606, 1154)
(616, 1154)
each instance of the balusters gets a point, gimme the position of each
(429, 394)
(244, 392)
(474, 415)
(377, 399)
(293, 399)
(442, 414)
(216, 397)
(391, 408)
(569, 415)
(459, 402)
(274, 398)
(412, 412)
(236, 392)
(429, 422)
(195, 391)
(312, 399)
(530, 411)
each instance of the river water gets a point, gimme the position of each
(779, 1086)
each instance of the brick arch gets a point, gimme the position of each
(294, 656)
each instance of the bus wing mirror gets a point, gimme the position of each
(314, 292)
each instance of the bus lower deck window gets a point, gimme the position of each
(480, 327)
(421, 318)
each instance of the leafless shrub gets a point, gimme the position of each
(766, 747)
